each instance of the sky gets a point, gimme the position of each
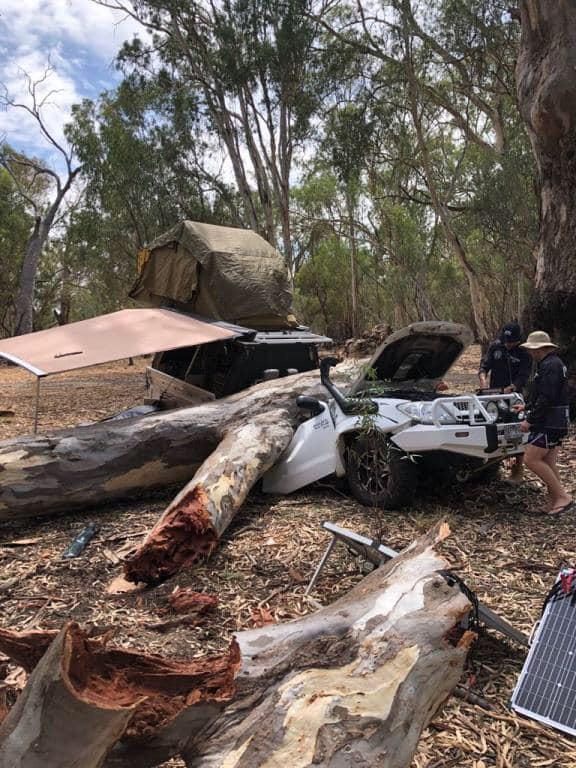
(79, 38)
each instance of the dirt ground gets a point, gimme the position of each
(501, 545)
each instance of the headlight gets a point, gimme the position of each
(422, 412)
(492, 409)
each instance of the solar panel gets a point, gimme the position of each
(546, 688)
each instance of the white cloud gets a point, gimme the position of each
(30, 23)
(79, 38)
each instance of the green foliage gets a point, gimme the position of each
(15, 226)
(331, 140)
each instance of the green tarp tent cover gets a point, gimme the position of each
(218, 272)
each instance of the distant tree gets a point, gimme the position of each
(15, 224)
(144, 169)
(26, 173)
(256, 73)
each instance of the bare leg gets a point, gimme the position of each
(551, 458)
(535, 459)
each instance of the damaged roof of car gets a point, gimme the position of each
(423, 351)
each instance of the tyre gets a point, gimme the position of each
(380, 474)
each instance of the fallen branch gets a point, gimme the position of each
(193, 523)
(353, 684)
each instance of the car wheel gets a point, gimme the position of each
(380, 474)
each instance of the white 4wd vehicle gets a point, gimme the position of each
(392, 431)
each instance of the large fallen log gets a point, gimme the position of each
(93, 465)
(351, 685)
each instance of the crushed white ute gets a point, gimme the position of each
(393, 433)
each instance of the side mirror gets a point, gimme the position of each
(309, 404)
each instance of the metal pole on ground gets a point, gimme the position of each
(37, 406)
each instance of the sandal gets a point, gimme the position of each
(560, 510)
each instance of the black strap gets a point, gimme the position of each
(452, 579)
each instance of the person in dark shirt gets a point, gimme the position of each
(509, 366)
(547, 419)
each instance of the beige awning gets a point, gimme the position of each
(127, 333)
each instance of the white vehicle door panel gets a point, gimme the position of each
(311, 455)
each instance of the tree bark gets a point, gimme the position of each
(53, 724)
(97, 464)
(82, 698)
(546, 86)
(352, 684)
(193, 523)
(24, 304)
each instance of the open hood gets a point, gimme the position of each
(419, 354)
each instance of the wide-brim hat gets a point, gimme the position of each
(538, 340)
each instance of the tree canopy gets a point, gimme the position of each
(378, 146)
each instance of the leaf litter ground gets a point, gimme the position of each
(501, 546)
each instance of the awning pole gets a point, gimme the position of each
(36, 409)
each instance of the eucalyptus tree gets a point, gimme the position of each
(257, 76)
(15, 224)
(142, 163)
(27, 174)
(451, 65)
(547, 96)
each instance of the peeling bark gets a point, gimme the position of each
(83, 698)
(546, 86)
(352, 684)
(193, 523)
(89, 466)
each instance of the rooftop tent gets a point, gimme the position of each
(220, 272)
(119, 335)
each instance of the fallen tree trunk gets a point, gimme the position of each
(193, 523)
(92, 465)
(352, 684)
(83, 697)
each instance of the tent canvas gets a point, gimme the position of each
(221, 272)
(116, 336)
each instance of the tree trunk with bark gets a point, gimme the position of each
(193, 523)
(546, 85)
(97, 464)
(24, 305)
(352, 684)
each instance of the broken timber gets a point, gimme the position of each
(97, 464)
(352, 684)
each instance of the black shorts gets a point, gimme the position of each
(546, 438)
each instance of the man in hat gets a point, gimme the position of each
(509, 367)
(547, 419)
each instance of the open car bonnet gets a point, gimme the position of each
(417, 355)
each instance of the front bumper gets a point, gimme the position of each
(481, 441)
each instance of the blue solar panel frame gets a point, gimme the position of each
(546, 688)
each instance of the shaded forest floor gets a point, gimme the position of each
(501, 545)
